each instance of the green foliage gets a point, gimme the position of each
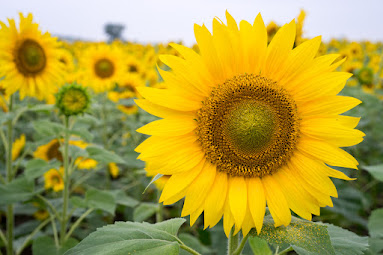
(45, 245)
(375, 223)
(18, 190)
(132, 237)
(259, 246)
(376, 171)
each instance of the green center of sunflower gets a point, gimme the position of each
(30, 58)
(72, 99)
(366, 76)
(248, 126)
(104, 68)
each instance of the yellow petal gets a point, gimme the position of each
(276, 201)
(199, 189)
(328, 105)
(279, 49)
(215, 200)
(257, 201)
(169, 99)
(238, 198)
(169, 127)
(180, 181)
(160, 111)
(330, 154)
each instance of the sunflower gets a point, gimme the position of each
(18, 146)
(54, 179)
(113, 169)
(245, 124)
(130, 82)
(101, 66)
(29, 60)
(52, 151)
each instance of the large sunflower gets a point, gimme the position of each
(101, 66)
(245, 124)
(29, 60)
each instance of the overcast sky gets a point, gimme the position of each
(172, 20)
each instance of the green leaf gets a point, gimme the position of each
(75, 151)
(376, 171)
(194, 243)
(375, 223)
(37, 167)
(41, 107)
(83, 133)
(307, 236)
(99, 199)
(104, 156)
(48, 128)
(132, 238)
(45, 245)
(259, 246)
(144, 211)
(155, 178)
(78, 202)
(375, 246)
(18, 190)
(123, 199)
(346, 242)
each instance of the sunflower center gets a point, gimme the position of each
(104, 68)
(30, 58)
(54, 152)
(133, 69)
(248, 126)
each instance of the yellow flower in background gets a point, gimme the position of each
(130, 82)
(101, 66)
(300, 22)
(52, 151)
(54, 179)
(127, 108)
(113, 169)
(245, 124)
(18, 146)
(133, 65)
(29, 60)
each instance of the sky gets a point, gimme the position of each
(151, 21)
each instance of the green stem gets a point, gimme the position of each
(66, 182)
(3, 238)
(26, 241)
(232, 242)
(49, 204)
(159, 213)
(241, 245)
(188, 249)
(10, 215)
(105, 134)
(78, 221)
(54, 228)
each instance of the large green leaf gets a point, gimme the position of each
(45, 245)
(346, 242)
(48, 128)
(304, 236)
(99, 199)
(37, 167)
(132, 237)
(123, 199)
(259, 246)
(194, 243)
(144, 211)
(18, 190)
(104, 156)
(375, 223)
(376, 171)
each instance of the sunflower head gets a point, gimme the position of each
(54, 179)
(366, 76)
(72, 100)
(247, 124)
(31, 57)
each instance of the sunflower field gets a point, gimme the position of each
(255, 140)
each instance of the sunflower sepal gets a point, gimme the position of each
(72, 99)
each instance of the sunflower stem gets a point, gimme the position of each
(160, 211)
(241, 245)
(105, 133)
(66, 182)
(188, 249)
(232, 242)
(10, 215)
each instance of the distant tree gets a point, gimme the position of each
(114, 31)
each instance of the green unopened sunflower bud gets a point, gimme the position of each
(72, 99)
